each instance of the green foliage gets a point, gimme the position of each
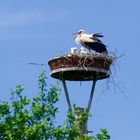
(104, 135)
(25, 119)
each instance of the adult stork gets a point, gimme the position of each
(90, 41)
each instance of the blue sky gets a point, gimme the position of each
(35, 31)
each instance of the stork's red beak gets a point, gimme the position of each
(75, 33)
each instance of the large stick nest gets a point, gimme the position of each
(81, 67)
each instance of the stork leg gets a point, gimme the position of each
(90, 52)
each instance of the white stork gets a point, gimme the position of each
(90, 41)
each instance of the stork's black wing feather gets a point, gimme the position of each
(97, 35)
(96, 39)
(96, 46)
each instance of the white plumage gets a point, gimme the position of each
(82, 51)
(90, 41)
(74, 51)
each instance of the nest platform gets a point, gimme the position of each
(81, 68)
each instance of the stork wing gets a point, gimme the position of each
(97, 35)
(95, 39)
(96, 46)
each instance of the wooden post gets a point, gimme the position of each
(82, 126)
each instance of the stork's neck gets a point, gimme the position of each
(77, 39)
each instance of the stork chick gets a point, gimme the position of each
(82, 51)
(74, 51)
